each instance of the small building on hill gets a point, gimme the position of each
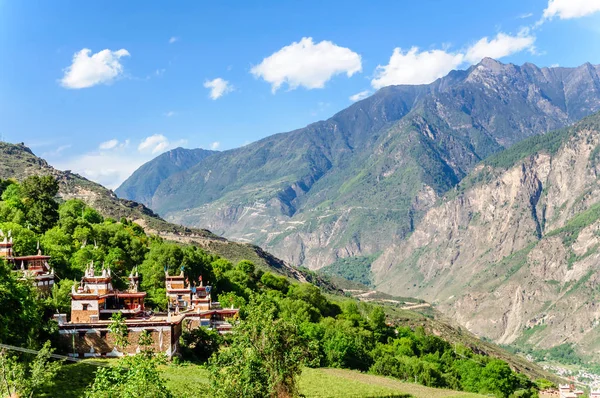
(31, 266)
(95, 300)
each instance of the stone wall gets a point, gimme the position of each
(97, 341)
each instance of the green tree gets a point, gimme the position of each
(118, 328)
(200, 343)
(264, 358)
(24, 240)
(42, 210)
(161, 255)
(59, 245)
(21, 379)
(60, 296)
(497, 378)
(21, 318)
(134, 376)
(145, 342)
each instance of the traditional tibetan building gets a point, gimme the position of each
(195, 302)
(32, 266)
(95, 300)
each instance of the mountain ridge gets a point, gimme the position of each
(355, 183)
(516, 243)
(161, 167)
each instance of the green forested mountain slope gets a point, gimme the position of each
(142, 184)
(18, 161)
(354, 184)
(513, 252)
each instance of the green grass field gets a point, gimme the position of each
(191, 380)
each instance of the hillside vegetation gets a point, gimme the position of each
(18, 161)
(283, 326)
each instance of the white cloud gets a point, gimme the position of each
(100, 68)
(111, 166)
(358, 96)
(307, 64)
(423, 67)
(154, 144)
(110, 144)
(215, 145)
(568, 9)
(170, 113)
(525, 16)
(57, 152)
(173, 39)
(555, 66)
(500, 46)
(414, 67)
(218, 87)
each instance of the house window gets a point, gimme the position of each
(85, 307)
(82, 333)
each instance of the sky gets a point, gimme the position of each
(100, 87)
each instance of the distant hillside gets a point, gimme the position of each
(18, 161)
(354, 184)
(142, 184)
(513, 252)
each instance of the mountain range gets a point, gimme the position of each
(512, 253)
(468, 192)
(349, 187)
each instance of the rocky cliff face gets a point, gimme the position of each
(359, 182)
(513, 253)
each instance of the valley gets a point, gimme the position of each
(465, 193)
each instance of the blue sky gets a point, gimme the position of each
(101, 87)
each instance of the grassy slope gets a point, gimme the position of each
(191, 380)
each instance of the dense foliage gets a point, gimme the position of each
(131, 377)
(24, 376)
(283, 326)
(349, 335)
(356, 269)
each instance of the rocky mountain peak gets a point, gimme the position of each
(492, 64)
(356, 183)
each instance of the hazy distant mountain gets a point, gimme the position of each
(142, 184)
(357, 183)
